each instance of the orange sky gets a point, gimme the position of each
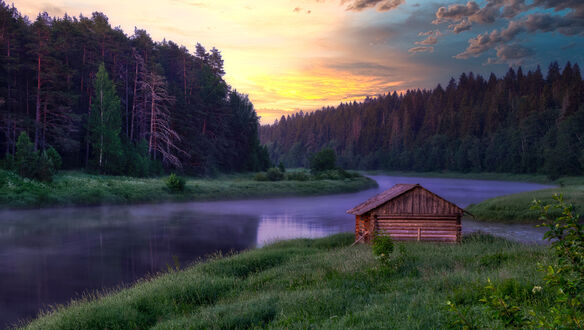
(283, 56)
(291, 55)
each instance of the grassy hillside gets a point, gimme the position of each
(322, 283)
(76, 188)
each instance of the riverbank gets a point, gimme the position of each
(489, 176)
(514, 208)
(320, 283)
(80, 189)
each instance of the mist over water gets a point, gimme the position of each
(49, 256)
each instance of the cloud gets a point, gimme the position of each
(569, 25)
(461, 26)
(431, 37)
(367, 69)
(382, 5)
(531, 24)
(486, 41)
(456, 12)
(299, 10)
(389, 5)
(511, 54)
(567, 19)
(421, 49)
(462, 16)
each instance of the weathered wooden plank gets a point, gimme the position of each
(418, 223)
(417, 216)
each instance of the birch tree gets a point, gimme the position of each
(105, 123)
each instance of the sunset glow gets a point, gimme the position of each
(291, 55)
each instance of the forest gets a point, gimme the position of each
(518, 123)
(151, 106)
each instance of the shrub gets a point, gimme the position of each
(326, 159)
(297, 176)
(336, 174)
(45, 169)
(55, 158)
(563, 278)
(34, 165)
(261, 176)
(8, 163)
(274, 174)
(566, 276)
(175, 183)
(281, 167)
(26, 157)
(382, 247)
(137, 160)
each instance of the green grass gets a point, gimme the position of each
(490, 176)
(516, 207)
(322, 283)
(76, 188)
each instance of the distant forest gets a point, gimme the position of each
(175, 108)
(519, 123)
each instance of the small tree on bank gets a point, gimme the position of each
(105, 124)
(326, 159)
(40, 166)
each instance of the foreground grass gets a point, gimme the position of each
(322, 283)
(76, 188)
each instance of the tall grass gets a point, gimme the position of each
(322, 283)
(516, 207)
(76, 188)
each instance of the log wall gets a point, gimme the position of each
(417, 215)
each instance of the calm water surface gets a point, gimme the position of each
(52, 255)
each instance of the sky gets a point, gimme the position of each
(292, 55)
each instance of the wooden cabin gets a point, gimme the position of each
(408, 212)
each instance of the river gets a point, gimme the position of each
(49, 256)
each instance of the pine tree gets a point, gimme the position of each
(105, 124)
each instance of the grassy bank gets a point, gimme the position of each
(490, 176)
(76, 188)
(514, 208)
(319, 283)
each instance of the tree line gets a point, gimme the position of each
(520, 123)
(152, 105)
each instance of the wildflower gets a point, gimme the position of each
(536, 289)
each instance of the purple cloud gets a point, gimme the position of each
(462, 16)
(382, 5)
(421, 49)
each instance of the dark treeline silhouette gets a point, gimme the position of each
(520, 123)
(175, 106)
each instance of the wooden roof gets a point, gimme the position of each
(391, 193)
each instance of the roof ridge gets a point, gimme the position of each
(387, 195)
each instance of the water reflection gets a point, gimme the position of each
(281, 227)
(50, 256)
